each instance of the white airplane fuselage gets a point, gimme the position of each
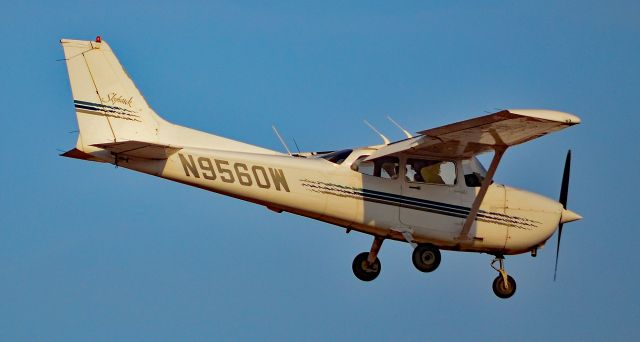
(512, 221)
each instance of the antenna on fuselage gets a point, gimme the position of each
(386, 141)
(409, 135)
(296, 143)
(275, 130)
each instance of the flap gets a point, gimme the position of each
(140, 149)
(467, 138)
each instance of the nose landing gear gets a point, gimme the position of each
(504, 286)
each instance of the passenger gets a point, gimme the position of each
(414, 166)
(391, 169)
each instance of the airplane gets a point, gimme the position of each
(428, 190)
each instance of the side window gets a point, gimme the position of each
(385, 167)
(431, 171)
(336, 157)
(474, 172)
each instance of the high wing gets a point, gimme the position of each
(467, 138)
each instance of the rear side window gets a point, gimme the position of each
(385, 167)
(336, 157)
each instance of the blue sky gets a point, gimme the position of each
(91, 252)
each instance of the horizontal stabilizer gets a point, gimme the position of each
(139, 149)
(77, 154)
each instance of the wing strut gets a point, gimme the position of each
(498, 153)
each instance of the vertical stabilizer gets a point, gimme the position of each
(109, 107)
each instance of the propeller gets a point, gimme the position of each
(564, 192)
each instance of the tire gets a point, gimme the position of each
(362, 270)
(426, 258)
(499, 287)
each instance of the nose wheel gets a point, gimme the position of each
(504, 286)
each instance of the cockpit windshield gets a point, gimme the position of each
(474, 172)
(336, 157)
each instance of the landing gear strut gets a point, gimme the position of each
(504, 286)
(366, 265)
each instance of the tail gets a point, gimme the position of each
(111, 110)
(109, 107)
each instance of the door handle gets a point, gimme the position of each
(417, 187)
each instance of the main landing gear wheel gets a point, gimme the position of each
(426, 257)
(504, 286)
(363, 270)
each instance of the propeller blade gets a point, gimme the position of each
(564, 189)
(564, 193)
(555, 271)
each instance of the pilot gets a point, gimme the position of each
(431, 174)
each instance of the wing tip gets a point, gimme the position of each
(546, 114)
